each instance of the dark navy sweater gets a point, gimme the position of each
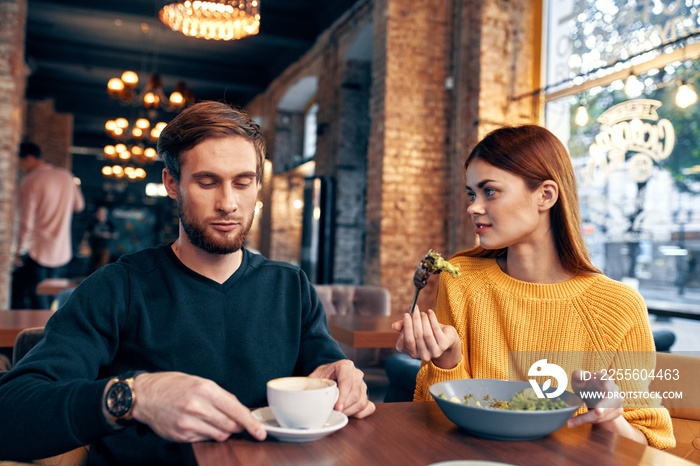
(149, 312)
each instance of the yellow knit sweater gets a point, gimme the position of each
(588, 322)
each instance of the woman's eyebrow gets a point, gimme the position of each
(480, 185)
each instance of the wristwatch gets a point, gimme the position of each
(120, 398)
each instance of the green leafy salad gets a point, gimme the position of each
(524, 400)
(439, 264)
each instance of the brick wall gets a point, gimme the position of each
(52, 131)
(13, 72)
(440, 77)
(408, 162)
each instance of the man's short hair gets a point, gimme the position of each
(27, 149)
(206, 120)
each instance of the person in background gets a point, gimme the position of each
(48, 196)
(530, 287)
(175, 344)
(98, 237)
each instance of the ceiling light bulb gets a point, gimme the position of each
(130, 78)
(115, 85)
(122, 122)
(143, 123)
(176, 99)
(151, 99)
(686, 95)
(633, 87)
(581, 115)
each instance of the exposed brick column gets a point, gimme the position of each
(495, 63)
(13, 17)
(52, 131)
(407, 164)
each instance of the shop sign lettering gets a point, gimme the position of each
(630, 128)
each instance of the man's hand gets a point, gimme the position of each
(352, 399)
(186, 408)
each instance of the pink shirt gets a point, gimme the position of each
(48, 196)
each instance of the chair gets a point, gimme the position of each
(63, 296)
(685, 412)
(401, 370)
(359, 300)
(349, 299)
(26, 340)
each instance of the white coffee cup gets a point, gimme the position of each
(302, 402)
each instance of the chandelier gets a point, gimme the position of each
(152, 96)
(124, 158)
(216, 19)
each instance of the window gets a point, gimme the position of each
(310, 127)
(637, 156)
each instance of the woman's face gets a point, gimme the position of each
(504, 210)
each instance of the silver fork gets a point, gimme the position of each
(420, 278)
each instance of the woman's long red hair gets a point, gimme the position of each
(537, 155)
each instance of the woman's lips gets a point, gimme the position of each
(481, 227)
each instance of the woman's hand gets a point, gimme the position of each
(423, 337)
(604, 408)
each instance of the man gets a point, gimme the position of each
(47, 197)
(98, 238)
(209, 323)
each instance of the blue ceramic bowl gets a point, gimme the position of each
(501, 424)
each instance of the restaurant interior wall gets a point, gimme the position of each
(13, 81)
(51, 131)
(435, 83)
(430, 84)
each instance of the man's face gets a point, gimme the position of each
(26, 163)
(217, 193)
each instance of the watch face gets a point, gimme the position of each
(119, 399)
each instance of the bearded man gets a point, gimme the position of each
(175, 344)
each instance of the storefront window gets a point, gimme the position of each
(636, 151)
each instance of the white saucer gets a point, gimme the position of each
(336, 421)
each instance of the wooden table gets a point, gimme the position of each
(419, 434)
(53, 286)
(13, 322)
(364, 331)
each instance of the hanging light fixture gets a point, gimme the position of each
(216, 19)
(140, 129)
(581, 117)
(633, 87)
(686, 95)
(152, 96)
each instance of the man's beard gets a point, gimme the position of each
(199, 238)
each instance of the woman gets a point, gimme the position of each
(530, 287)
